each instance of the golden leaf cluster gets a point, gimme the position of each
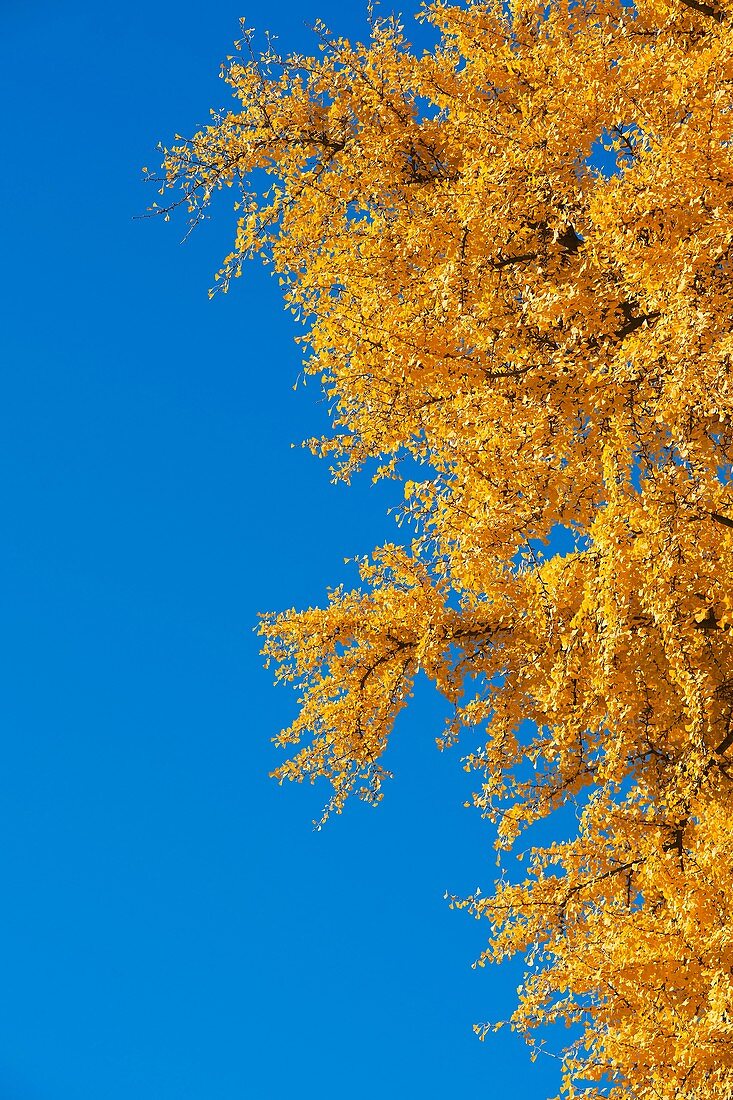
(513, 256)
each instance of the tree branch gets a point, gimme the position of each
(705, 9)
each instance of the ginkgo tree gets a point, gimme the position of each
(544, 331)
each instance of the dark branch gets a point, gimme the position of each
(569, 239)
(507, 261)
(726, 743)
(705, 9)
(633, 323)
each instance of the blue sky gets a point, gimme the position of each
(171, 926)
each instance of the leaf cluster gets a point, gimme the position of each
(551, 344)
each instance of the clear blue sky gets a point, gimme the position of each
(171, 928)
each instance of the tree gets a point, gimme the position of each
(548, 344)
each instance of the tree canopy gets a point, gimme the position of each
(536, 342)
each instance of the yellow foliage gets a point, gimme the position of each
(552, 344)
